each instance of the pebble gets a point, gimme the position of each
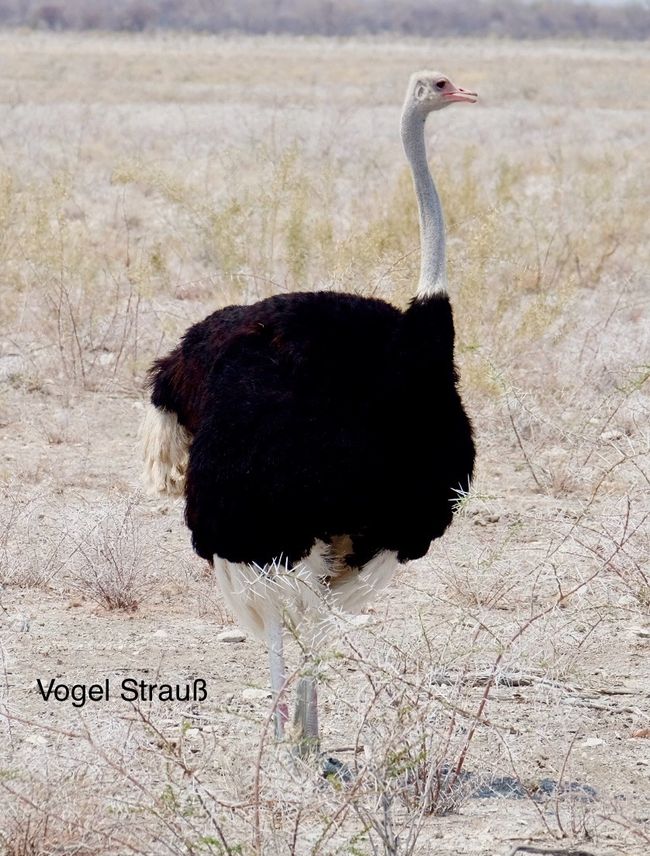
(19, 622)
(161, 634)
(482, 519)
(591, 741)
(253, 694)
(360, 620)
(35, 739)
(611, 435)
(11, 366)
(231, 636)
(643, 632)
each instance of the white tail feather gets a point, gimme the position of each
(352, 593)
(165, 449)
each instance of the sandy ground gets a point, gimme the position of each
(584, 693)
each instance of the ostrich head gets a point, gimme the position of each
(428, 91)
(431, 90)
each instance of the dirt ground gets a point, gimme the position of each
(584, 669)
(518, 649)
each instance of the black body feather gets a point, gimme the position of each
(315, 415)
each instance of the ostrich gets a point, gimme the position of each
(319, 438)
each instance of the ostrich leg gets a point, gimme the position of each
(305, 722)
(278, 675)
(305, 718)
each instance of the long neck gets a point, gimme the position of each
(433, 275)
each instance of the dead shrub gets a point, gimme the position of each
(111, 563)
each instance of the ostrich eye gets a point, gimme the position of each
(441, 84)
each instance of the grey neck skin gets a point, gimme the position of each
(433, 276)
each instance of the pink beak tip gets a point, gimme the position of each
(460, 94)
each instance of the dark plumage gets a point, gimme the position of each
(316, 415)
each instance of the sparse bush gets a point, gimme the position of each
(112, 566)
(51, 16)
(33, 538)
(137, 17)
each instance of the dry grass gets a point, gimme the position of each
(147, 181)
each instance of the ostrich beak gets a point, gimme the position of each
(459, 94)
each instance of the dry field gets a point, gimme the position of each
(147, 181)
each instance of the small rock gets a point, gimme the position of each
(643, 632)
(591, 741)
(611, 435)
(11, 367)
(231, 636)
(483, 518)
(19, 622)
(360, 620)
(253, 694)
(161, 634)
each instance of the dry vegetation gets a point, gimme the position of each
(531, 19)
(145, 182)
